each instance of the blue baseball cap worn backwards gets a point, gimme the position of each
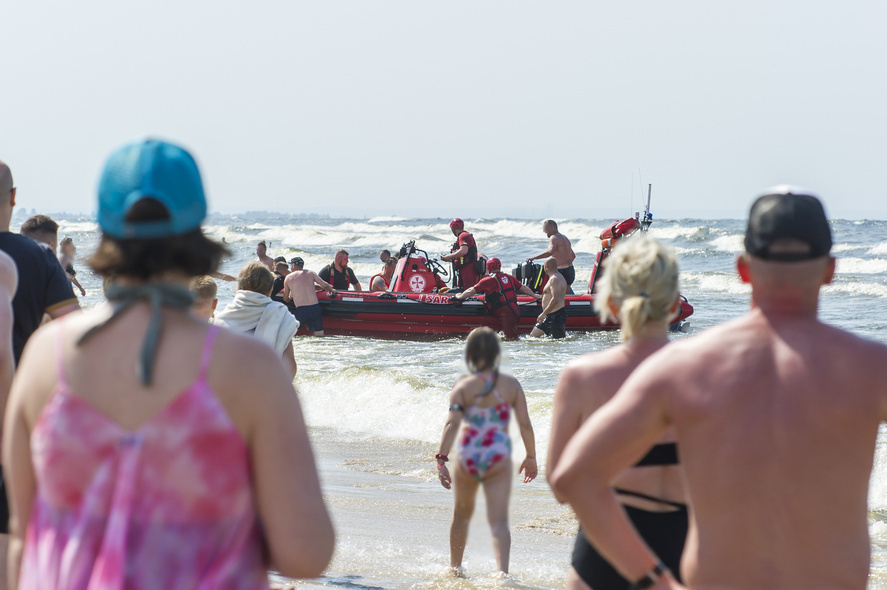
(151, 169)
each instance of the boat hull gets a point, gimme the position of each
(393, 315)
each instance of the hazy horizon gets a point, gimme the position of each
(499, 109)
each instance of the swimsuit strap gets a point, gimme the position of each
(661, 454)
(158, 295)
(60, 352)
(206, 355)
(649, 498)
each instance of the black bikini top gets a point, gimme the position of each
(661, 454)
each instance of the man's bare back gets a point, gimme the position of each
(559, 247)
(299, 286)
(779, 469)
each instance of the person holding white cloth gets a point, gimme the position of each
(253, 311)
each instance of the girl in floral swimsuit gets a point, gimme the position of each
(482, 404)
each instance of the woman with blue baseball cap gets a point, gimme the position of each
(146, 449)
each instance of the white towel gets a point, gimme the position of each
(271, 321)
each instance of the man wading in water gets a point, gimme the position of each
(776, 416)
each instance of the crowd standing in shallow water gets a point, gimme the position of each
(760, 409)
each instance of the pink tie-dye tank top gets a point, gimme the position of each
(168, 506)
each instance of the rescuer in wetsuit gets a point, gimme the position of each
(500, 296)
(463, 256)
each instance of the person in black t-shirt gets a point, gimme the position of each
(42, 284)
(42, 288)
(338, 274)
(281, 269)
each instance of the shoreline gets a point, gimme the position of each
(392, 522)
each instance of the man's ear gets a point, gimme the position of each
(12, 198)
(743, 269)
(215, 303)
(829, 274)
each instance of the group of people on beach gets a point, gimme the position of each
(737, 458)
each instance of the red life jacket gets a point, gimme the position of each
(507, 293)
(387, 283)
(470, 257)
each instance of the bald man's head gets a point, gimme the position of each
(551, 264)
(5, 179)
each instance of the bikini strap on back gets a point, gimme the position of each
(206, 354)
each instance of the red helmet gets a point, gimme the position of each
(494, 265)
(457, 224)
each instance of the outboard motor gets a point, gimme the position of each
(532, 275)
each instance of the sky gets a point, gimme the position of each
(490, 108)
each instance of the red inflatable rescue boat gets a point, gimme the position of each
(417, 303)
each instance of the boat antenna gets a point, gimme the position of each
(648, 217)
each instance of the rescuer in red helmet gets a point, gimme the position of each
(463, 256)
(500, 296)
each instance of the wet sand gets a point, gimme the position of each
(392, 522)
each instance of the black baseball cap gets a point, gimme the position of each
(786, 212)
(297, 260)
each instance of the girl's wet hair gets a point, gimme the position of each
(191, 253)
(641, 280)
(482, 349)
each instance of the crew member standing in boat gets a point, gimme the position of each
(500, 297)
(338, 274)
(559, 248)
(463, 256)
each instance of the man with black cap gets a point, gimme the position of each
(775, 414)
(298, 287)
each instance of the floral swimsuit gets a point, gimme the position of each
(484, 440)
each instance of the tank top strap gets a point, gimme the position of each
(206, 354)
(60, 352)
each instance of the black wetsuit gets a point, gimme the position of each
(663, 532)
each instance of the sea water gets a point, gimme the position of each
(376, 407)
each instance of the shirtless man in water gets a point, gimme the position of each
(559, 248)
(776, 416)
(298, 286)
(262, 255)
(554, 312)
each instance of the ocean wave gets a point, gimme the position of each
(861, 266)
(848, 287)
(729, 243)
(692, 232)
(715, 283)
(388, 219)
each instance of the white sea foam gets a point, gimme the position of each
(673, 232)
(714, 283)
(867, 289)
(388, 219)
(879, 250)
(861, 266)
(70, 227)
(728, 243)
